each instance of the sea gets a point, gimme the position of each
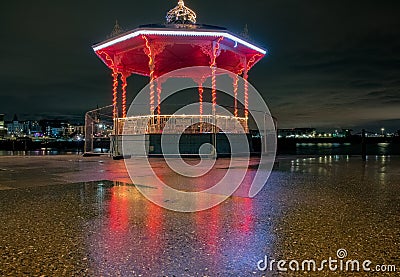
(301, 149)
(315, 149)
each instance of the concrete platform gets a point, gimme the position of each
(59, 218)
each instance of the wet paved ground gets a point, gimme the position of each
(309, 209)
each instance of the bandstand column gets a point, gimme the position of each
(112, 65)
(248, 64)
(152, 50)
(124, 86)
(200, 86)
(246, 92)
(150, 54)
(235, 94)
(115, 92)
(214, 88)
(201, 91)
(213, 66)
(200, 82)
(159, 89)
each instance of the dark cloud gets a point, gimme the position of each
(331, 63)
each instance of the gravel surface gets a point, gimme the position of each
(59, 218)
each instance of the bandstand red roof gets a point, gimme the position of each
(172, 47)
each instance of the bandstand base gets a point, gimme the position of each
(189, 145)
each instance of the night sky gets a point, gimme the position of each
(332, 64)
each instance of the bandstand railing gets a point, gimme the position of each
(178, 124)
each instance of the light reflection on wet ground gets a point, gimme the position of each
(310, 208)
(144, 238)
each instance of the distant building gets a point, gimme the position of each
(15, 128)
(344, 133)
(32, 128)
(73, 130)
(79, 129)
(18, 128)
(52, 128)
(3, 130)
(54, 132)
(35, 129)
(297, 133)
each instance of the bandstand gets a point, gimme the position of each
(158, 49)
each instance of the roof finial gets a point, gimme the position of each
(117, 30)
(181, 15)
(245, 33)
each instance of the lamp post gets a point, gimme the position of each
(383, 130)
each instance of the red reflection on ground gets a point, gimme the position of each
(245, 222)
(114, 236)
(186, 183)
(154, 232)
(116, 171)
(134, 225)
(209, 235)
(244, 188)
(154, 219)
(118, 211)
